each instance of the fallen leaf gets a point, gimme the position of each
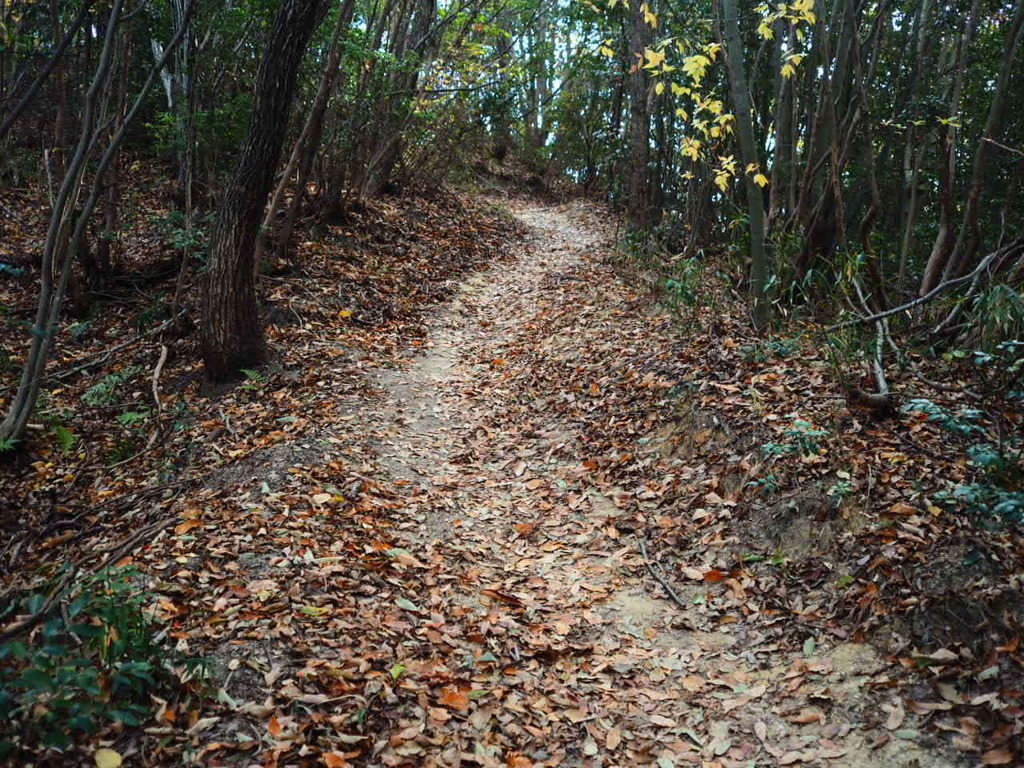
(997, 757)
(453, 698)
(613, 738)
(107, 758)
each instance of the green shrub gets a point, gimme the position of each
(92, 661)
(997, 492)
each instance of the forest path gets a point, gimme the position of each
(575, 655)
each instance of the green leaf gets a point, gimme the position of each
(34, 679)
(407, 605)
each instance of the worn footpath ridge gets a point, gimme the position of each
(533, 547)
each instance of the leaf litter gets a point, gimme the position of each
(451, 539)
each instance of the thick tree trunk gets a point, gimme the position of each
(304, 151)
(232, 337)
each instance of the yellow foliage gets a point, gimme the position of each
(649, 17)
(696, 67)
(654, 58)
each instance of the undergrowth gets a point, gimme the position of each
(94, 660)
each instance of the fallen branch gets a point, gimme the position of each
(156, 376)
(934, 292)
(1002, 146)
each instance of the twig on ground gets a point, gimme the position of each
(658, 577)
(101, 357)
(156, 376)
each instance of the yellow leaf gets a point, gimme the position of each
(761, 180)
(659, 88)
(722, 182)
(606, 51)
(696, 66)
(649, 17)
(654, 58)
(765, 31)
(788, 70)
(345, 313)
(107, 758)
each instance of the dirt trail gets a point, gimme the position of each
(533, 550)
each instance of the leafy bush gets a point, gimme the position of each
(93, 660)
(998, 491)
(173, 231)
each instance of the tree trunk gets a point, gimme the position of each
(232, 337)
(946, 144)
(748, 152)
(305, 147)
(638, 182)
(970, 234)
(67, 226)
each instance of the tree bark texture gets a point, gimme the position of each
(232, 336)
(638, 181)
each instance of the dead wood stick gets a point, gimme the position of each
(658, 577)
(915, 369)
(156, 376)
(880, 332)
(928, 296)
(98, 358)
(1002, 146)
